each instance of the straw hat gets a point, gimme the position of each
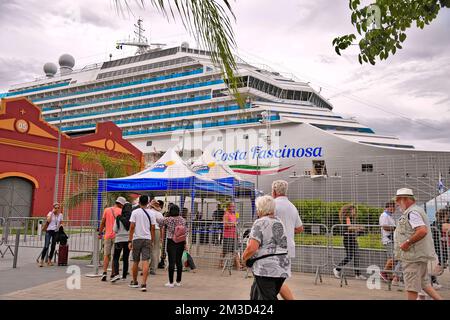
(155, 205)
(404, 192)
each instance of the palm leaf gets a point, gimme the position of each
(210, 24)
(113, 167)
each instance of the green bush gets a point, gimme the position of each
(327, 213)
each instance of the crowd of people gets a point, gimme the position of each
(141, 230)
(148, 233)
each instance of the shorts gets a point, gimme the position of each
(415, 275)
(266, 288)
(142, 250)
(389, 247)
(229, 245)
(108, 247)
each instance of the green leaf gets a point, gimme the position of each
(337, 50)
(360, 59)
(402, 37)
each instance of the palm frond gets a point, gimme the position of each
(210, 24)
(74, 200)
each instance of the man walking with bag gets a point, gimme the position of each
(413, 245)
(289, 216)
(142, 232)
(108, 220)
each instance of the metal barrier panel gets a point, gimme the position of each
(311, 248)
(358, 248)
(2, 229)
(32, 236)
(209, 246)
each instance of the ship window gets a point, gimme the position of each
(149, 143)
(219, 138)
(245, 137)
(319, 167)
(367, 167)
(278, 133)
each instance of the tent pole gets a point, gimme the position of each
(99, 199)
(252, 197)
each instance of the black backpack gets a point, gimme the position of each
(61, 236)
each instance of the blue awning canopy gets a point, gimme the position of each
(169, 174)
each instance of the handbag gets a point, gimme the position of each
(250, 262)
(45, 226)
(190, 261)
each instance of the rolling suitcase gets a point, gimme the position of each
(63, 255)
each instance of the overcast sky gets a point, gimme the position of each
(407, 96)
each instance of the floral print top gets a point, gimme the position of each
(271, 235)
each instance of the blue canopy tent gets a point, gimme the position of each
(208, 167)
(169, 174)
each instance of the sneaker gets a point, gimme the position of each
(178, 284)
(143, 287)
(384, 276)
(437, 286)
(337, 273)
(133, 284)
(169, 285)
(115, 278)
(153, 273)
(360, 277)
(104, 276)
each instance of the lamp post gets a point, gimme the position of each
(265, 120)
(185, 123)
(58, 157)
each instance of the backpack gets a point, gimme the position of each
(179, 235)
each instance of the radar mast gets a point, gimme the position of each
(140, 41)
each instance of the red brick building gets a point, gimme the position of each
(28, 156)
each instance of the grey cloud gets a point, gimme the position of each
(437, 131)
(99, 18)
(15, 71)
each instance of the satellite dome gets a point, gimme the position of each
(66, 61)
(185, 45)
(50, 69)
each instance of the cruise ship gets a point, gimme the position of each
(166, 97)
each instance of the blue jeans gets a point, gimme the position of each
(49, 235)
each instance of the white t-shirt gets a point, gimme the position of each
(55, 222)
(288, 214)
(142, 228)
(157, 215)
(415, 219)
(387, 220)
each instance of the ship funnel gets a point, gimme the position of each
(50, 69)
(66, 63)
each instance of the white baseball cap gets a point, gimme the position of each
(404, 192)
(121, 200)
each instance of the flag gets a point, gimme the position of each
(441, 187)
